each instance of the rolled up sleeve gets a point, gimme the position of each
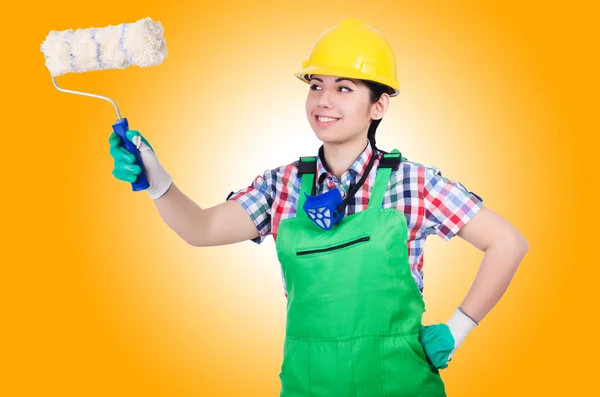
(449, 205)
(257, 200)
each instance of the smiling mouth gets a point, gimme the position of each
(326, 120)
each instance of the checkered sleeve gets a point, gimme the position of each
(448, 204)
(257, 200)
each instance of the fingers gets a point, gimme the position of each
(114, 140)
(126, 172)
(127, 168)
(133, 135)
(121, 155)
(124, 176)
(138, 140)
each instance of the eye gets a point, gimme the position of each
(314, 87)
(345, 88)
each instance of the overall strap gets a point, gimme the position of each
(307, 168)
(389, 162)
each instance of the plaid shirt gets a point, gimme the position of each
(431, 203)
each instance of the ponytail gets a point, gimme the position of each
(372, 131)
(376, 90)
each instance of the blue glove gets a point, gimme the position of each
(438, 343)
(125, 169)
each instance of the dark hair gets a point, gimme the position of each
(376, 90)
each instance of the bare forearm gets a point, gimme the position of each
(181, 214)
(498, 266)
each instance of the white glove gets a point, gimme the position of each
(460, 325)
(158, 178)
(126, 170)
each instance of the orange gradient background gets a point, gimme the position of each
(101, 298)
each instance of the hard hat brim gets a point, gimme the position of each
(393, 86)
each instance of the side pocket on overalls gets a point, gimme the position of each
(289, 347)
(429, 376)
(415, 350)
(294, 375)
(405, 374)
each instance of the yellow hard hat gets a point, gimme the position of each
(356, 50)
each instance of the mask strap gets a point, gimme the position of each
(355, 188)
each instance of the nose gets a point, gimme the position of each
(324, 99)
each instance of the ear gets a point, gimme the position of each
(379, 108)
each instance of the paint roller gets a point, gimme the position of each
(113, 47)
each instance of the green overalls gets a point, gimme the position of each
(353, 310)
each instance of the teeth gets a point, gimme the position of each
(326, 119)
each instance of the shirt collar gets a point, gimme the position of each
(356, 169)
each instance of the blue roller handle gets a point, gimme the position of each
(120, 128)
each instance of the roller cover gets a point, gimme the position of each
(113, 47)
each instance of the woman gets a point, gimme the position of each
(349, 226)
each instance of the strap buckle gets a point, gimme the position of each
(307, 165)
(391, 160)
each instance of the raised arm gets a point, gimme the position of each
(226, 223)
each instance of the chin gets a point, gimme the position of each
(335, 142)
(332, 138)
(328, 138)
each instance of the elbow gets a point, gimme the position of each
(525, 246)
(517, 244)
(195, 242)
(512, 243)
(522, 245)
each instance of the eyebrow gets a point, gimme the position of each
(337, 80)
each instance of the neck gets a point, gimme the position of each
(339, 157)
